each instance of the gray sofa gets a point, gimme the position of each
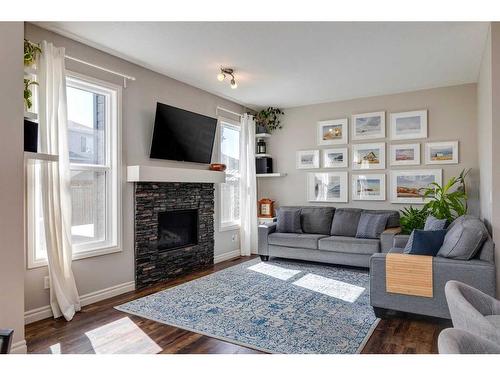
(317, 243)
(478, 272)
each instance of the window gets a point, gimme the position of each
(229, 197)
(93, 139)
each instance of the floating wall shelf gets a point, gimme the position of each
(268, 175)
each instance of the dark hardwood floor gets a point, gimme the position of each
(101, 328)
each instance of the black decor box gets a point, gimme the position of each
(30, 136)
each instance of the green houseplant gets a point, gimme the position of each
(28, 102)
(413, 218)
(268, 120)
(31, 51)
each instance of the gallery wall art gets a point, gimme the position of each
(405, 154)
(333, 132)
(327, 187)
(368, 187)
(407, 186)
(307, 159)
(441, 152)
(409, 125)
(368, 156)
(335, 158)
(368, 126)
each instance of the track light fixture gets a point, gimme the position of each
(224, 72)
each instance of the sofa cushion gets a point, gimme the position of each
(393, 217)
(431, 223)
(317, 220)
(464, 238)
(288, 220)
(301, 241)
(350, 245)
(425, 242)
(345, 222)
(371, 225)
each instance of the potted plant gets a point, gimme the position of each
(412, 218)
(30, 127)
(268, 120)
(31, 51)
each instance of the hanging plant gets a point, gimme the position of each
(31, 51)
(268, 120)
(28, 103)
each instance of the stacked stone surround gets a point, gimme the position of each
(153, 265)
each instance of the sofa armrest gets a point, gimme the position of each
(400, 241)
(264, 231)
(387, 238)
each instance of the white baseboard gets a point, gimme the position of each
(19, 347)
(226, 256)
(86, 299)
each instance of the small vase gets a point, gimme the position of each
(259, 129)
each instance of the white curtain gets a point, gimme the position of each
(248, 187)
(55, 181)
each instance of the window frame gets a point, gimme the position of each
(230, 226)
(112, 165)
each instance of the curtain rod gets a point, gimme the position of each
(228, 111)
(124, 76)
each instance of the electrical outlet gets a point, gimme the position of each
(46, 282)
(235, 237)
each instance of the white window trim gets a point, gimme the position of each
(232, 226)
(114, 152)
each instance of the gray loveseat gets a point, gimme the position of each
(318, 241)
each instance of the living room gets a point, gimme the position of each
(250, 187)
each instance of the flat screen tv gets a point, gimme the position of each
(182, 135)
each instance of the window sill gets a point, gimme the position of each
(229, 227)
(79, 256)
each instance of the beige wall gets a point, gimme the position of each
(11, 183)
(139, 103)
(451, 116)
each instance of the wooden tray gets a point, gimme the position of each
(409, 274)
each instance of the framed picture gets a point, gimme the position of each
(409, 125)
(307, 159)
(368, 126)
(332, 132)
(441, 153)
(368, 187)
(335, 158)
(407, 186)
(368, 156)
(327, 187)
(407, 154)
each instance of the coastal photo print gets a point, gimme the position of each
(441, 153)
(327, 187)
(409, 125)
(335, 158)
(368, 126)
(332, 132)
(405, 154)
(408, 186)
(368, 187)
(307, 159)
(368, 156)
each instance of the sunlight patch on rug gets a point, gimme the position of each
(274, 271)
(330, 287)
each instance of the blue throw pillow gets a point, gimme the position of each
(425, 242)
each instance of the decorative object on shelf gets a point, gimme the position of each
(335, 158)
(412, 218)
(307, 159)
(224, 72)
(327, 187)
(368, 156)
(218, 167)
(441, 152)
(409, 186)
(30, 136)
(368, 126)
(263, 165)
(332, 132)
(266, 208)
(268, 120)
(405, 154)
(368, 187)
(409, 125)
(261, 146)
(28, 103)
(31, 52)
(448, 201)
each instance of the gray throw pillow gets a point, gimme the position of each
(288, 220)
(464, 238)
(409, 244)
(431, 223)
(371, 225)
(317, 220)
(345, 222)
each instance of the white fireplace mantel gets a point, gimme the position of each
(144, 173)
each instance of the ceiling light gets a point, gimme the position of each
(224, 72)
(221, 76)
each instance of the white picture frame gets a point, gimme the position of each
(327, 187)
(405, 154)
(307, 159)
(441, 152)
(328, 132)
(335, 157)
(368, 126)
(409, 125)
(368, 156)
(368, 187)
(406, 184)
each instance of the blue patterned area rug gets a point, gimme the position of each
(279, 306)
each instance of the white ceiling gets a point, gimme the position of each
(289, 64)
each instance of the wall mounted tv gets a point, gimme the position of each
(182, 135)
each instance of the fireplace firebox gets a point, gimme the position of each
(177, 229)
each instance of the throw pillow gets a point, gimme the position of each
(431, 223)
(288, 220)
(317, 220)
(464, 238)
(425, 242)
(371, 225)
(345, 222)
